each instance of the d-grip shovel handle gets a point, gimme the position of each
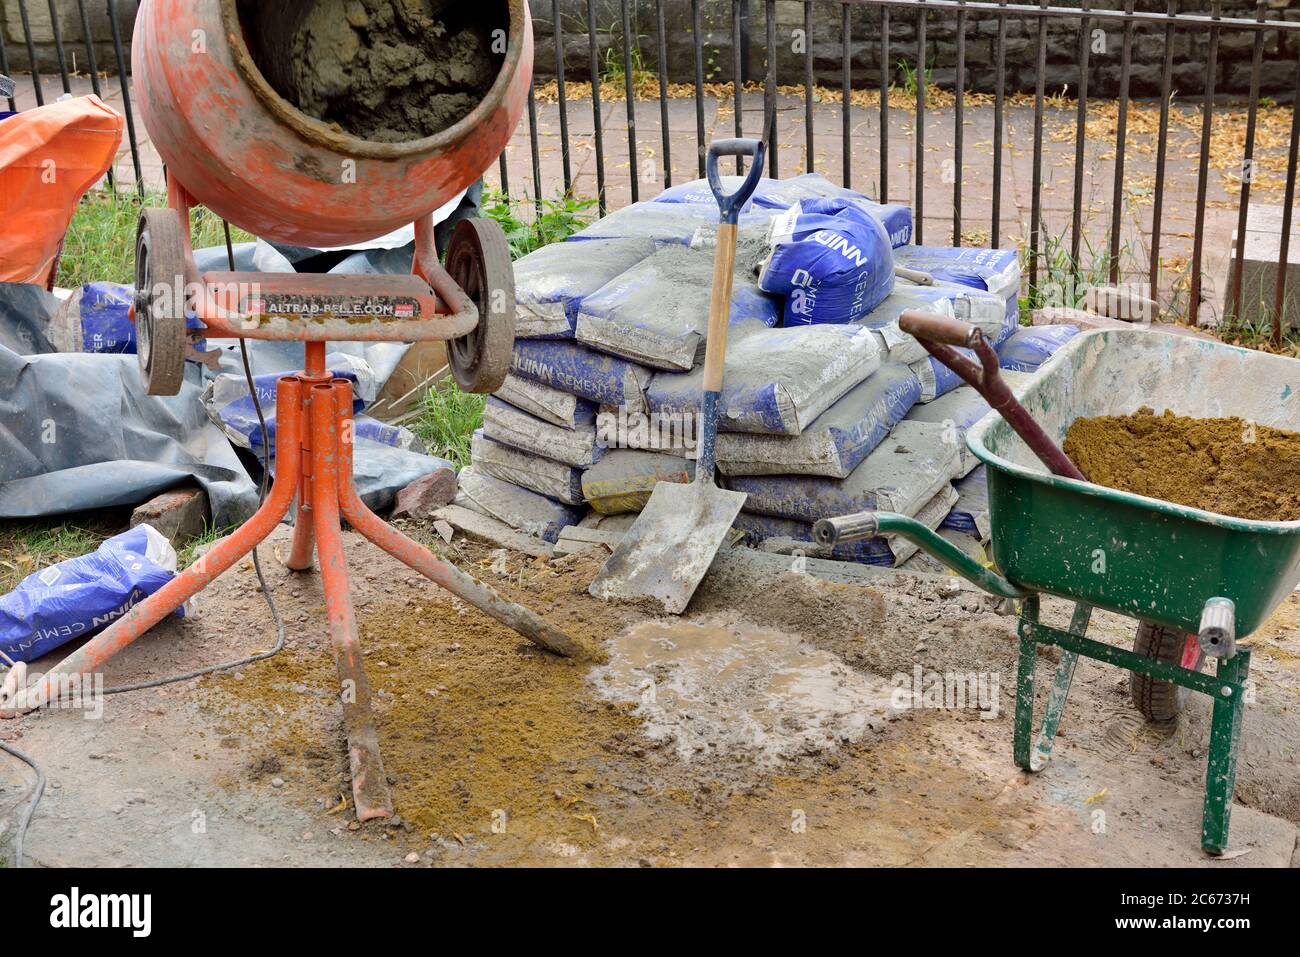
(732, 204)
(939, 334)
(724, 266)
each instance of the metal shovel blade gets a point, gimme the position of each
(668, 549)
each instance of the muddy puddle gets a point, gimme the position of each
(728, 688)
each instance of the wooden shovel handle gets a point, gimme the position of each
(724, 266)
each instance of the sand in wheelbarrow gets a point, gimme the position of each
(389, 71)
(1230, 466)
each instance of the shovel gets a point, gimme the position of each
(667, 551)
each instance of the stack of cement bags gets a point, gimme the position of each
(606, 381)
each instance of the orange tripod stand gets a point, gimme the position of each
(314, 461)
(469, 303)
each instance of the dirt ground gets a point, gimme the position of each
(764, 728)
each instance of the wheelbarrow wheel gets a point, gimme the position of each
(1160, 700)
(478, 259)
(160, 301)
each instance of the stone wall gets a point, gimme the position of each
(70, 25)
(1191, 47)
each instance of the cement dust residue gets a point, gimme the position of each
(726, 688)
(384, 70)
(1230, 466)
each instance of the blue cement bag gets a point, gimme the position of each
(518, 507)
(832, 261)
(781, 194)
(981, 309)
(503, 423)
(776, 381)
(657, 314)
(936, 378)
(83, 595)
(902, 475)
(105, 323)
(1029, 347)
(992, 270)
(664, 223)
(551, 283)
(568, 366)
(971, 513)
(837, 441)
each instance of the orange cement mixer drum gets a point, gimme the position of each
(255, 159)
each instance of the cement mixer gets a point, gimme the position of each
(324, 123)
(234, 141)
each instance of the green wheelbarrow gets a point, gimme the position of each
(1197, 583)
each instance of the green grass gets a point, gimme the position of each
(27, 547)
(447, 420)
(551, 221)
(448, 416)
(100, 244)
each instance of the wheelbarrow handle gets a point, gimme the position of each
(732, 204)
(860, 525)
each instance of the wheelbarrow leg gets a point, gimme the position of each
(1036, 759)
(1225, 742)
(1025, 684)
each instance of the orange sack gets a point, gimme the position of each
(49, 157)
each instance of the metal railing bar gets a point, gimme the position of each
(769, 92)
(846, 94)
(1162, 148)
(1080, 137)
(959, 130)
(1203, 174)
(31, 53)
(1036, 202)
(662, 31)
(629, 85)
(1284, 250)
(1248, 165)
(999, 117)
(808, 87)
(918, 212)
(737, 75)
(124, 81)
(57, 30)
(535, 147)
(88, 41)
(1121, 138)
(884, 102)
(598, 119)
(557, 34)
(701, 148)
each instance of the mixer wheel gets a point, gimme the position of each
(160, 301)
(1159, 700)
(478, 259)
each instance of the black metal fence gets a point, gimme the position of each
(883, 16)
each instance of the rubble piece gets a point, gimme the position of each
(1263, 250)
(575, 538)
(488, 531)
(426, 495)
(179, 515)
(1081, 319)
(1121, 302)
